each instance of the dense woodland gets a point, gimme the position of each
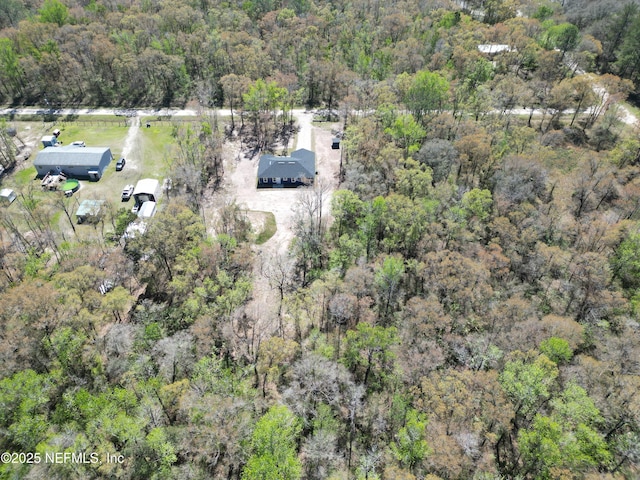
(469, 308)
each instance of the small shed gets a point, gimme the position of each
(7, 196)
(49, 141)
(89, 211)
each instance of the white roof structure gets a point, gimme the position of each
(146, 185)
(147, 210)
(492, 48)
(7, 196)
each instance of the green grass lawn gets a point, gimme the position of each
(148, 159)
(269, 228)
(22, 177)
(95, 133)
(150, 156)
(157, 147)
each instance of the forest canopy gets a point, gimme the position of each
(461, 301)
(157, 53)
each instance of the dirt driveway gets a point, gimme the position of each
(240, 184)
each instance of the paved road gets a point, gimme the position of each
(138, 112)
(626, 116)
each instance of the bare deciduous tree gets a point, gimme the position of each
(278, 270)
(309, 229)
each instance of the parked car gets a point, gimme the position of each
(120, 164)
(78, 143)
(127, 192)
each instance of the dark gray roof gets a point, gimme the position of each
(301, 163)
(304, 155)
(70, 156)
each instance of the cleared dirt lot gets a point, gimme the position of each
(240, 184)
(241, 176)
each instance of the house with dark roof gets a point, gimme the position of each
(297, 170)
(73, 161)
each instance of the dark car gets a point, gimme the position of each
(120, 164)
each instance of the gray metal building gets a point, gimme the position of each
(74, 162)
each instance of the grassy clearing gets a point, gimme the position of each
(95, 134)
(269, 229)
(150, 151)
(146, 159)
(157, 147)
(23, 177)
(150, 155)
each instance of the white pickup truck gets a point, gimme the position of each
(127, 192)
